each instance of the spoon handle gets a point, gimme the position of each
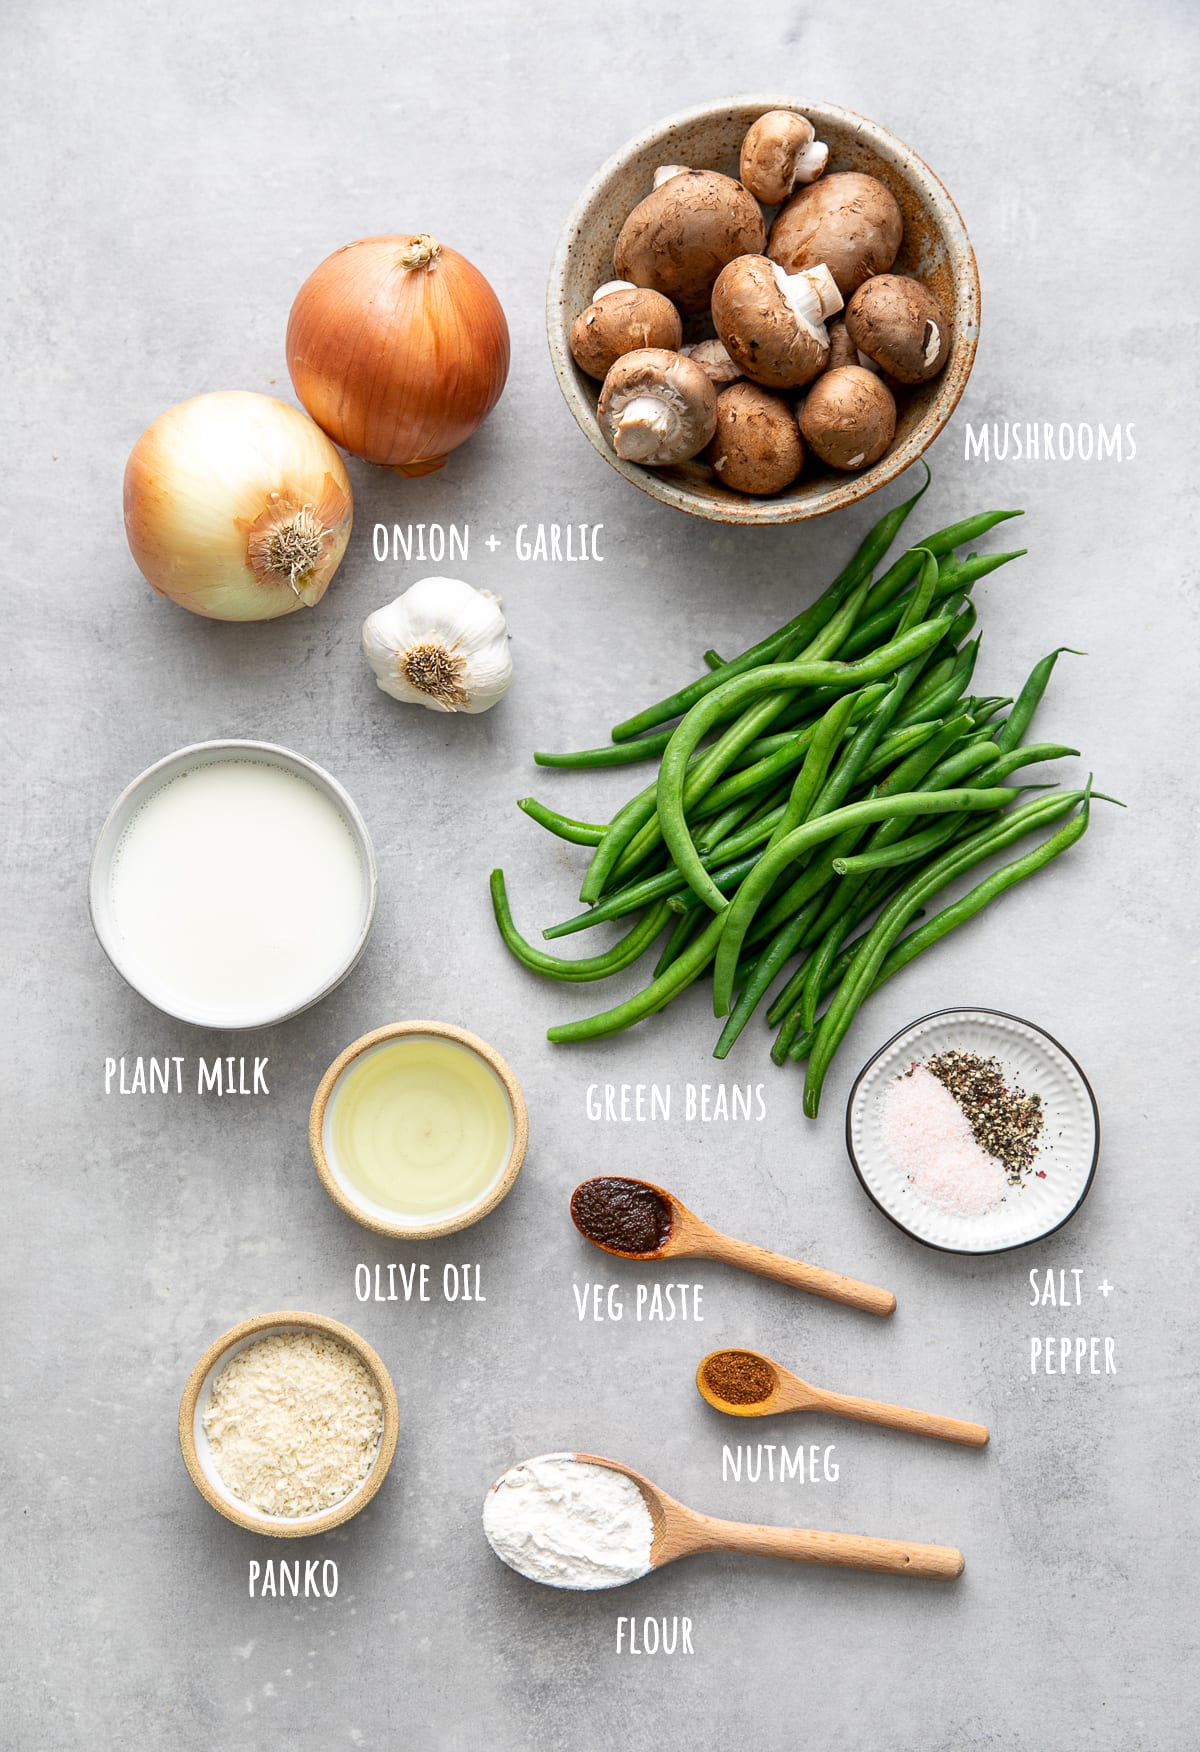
(900, 1417)
(813, 1278)
(842, 1550)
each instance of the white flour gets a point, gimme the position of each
(570, 1523)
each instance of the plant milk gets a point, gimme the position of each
(239, 893)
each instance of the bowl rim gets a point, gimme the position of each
(487, 1202)
(253, 1520)
(151, 779)
(1034, 1028)
(747, 509)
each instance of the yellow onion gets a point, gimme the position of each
(398, 348)
(237, 507)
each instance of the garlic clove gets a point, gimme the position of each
(443, 645)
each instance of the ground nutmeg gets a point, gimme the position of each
(739, 1377)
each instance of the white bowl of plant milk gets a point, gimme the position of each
(233, 884)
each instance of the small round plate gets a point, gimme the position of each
(1070, 1144)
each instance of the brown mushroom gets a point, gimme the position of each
(900, 324)
(849, 221)
(713, 358)
(679, 238)
(849, 417)
(781, 153)
(773, 323)
(620, 319)
(657, 407)
(756, 447)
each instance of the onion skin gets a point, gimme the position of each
(208, 486)
(399, 365)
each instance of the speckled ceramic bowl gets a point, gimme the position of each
(936, 249)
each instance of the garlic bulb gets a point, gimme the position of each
(443, 645)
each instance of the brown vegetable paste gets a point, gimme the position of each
(626, 1215)
(739, 1377)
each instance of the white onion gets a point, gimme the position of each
(237, 507)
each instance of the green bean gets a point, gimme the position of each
(580, 833)
(669, 883)
(759, 773)
(902, 741)
(612, 754)
(958, 912)
(1029, 698)
(853, 990)
(614, 960)
(660, 992)
(952, 690)
(719, 827)
(762, 814)
(908, 776)
(672, 795)
(886, 851)
(773, 958)
(903, 851)
(905, 777)
(633, 831)
(802, 628)
(811, 776)
(636, 819)
(646, 836)
(685, 928)
(935, 677)
(883, 606)
(851, 769)
(714, 660)
(819, 963)
(1030, 755)
(843, 910)
(912, 773)
(789, 752)
(786, 1009)
(740, 912)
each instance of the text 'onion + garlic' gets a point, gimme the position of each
(442, 644)
(237, 507)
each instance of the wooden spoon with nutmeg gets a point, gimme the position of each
(744, 1383)
(635, 1219)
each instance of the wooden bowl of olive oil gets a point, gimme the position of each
(418, 1129)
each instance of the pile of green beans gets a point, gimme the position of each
(812, 796)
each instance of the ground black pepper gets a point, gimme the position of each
(626, 1215)
(1005, 1121)
(739, 1377)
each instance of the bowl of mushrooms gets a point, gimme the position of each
(762, 311)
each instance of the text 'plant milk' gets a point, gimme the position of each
(239, 893)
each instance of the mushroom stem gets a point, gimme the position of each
(640, 427)
(612, 286)
(812, 293)
(810, 163)
(665, 172)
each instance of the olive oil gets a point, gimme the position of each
(419, 1126)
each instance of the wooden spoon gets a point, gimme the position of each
(790, 1393)
(687, 1237)
(682, 1532)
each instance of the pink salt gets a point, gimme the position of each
(929, 1138)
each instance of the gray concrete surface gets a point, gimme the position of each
(171, 174)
